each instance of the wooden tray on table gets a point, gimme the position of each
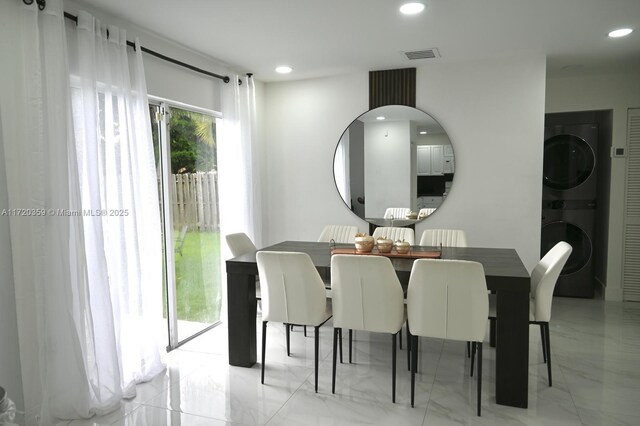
(393, 253)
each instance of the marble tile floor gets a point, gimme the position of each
(595, 360)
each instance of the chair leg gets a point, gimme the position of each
(468, 349)
(543, 339)
(393, 367)
(400, 338)
(408, 348)
(414, 366)
(473, 356)
(305, 331)
(548, 347)
(479, 345)
(340, 342)
(288, 339)
(350, 343)
(316, 338)
(336, 332)
(264, 345)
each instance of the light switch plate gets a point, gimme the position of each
(617, 152)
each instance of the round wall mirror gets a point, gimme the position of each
(393, 160)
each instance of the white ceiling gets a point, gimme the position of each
(326, 37)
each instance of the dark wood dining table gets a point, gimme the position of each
(505, 274)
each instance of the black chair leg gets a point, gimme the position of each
(393, 367)
(473, 356)
(479, 345)
(400, 338)
(305, 331)
(414, 366)
(408, 347)
(336, 332)
(264, 346)
(548, 347)
(543, 339)
(288, 339)
(340, 342)
(316, 338)
(350, 343)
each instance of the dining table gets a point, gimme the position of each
(505, 273)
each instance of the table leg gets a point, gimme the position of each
(241, 300)
(512, 351)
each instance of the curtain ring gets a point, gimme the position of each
(41, 4)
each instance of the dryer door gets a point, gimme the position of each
(554, 232)
(568, 161)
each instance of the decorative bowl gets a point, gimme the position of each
(364, 243)
(384, 245)
(412, 215)
(403, 247)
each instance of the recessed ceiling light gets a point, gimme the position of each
(412, 8)
(621, 32)
(380, 118)
(423, 132)
(284, 69)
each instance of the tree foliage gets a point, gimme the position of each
(193, 144)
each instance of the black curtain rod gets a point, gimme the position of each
(224, 78)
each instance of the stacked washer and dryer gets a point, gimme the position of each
(569, 202)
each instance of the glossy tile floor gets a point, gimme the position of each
(596, 380)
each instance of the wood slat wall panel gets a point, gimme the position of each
(392, 87)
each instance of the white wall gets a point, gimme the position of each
(387, 172)
(615, 90)
(493, 112)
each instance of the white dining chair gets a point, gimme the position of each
(293, 293)
(447, 299)
(239, 243)
(543, 281)
(396, 213)
(395, 233)
(338, 233)
(425, 212)
(444, 237)
(367, 296)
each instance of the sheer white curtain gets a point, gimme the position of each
(237, 161)
(341, 170)
(119, 186)
(87, 287)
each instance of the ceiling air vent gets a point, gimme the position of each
(422, 54)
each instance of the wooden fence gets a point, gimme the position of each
(194, 201)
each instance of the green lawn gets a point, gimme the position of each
(198, 277)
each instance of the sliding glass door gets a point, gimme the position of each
(185, 148)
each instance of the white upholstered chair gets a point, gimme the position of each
(543, 281)
(368, 296)
(447, 299)
(425, 212)
(444, 237)
(395, 233)
(396, 213)
(338, 233)
(239, 244)
(292, 293)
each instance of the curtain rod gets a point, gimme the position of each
(224, 78)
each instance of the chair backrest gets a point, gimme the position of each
(446, 237)
(240, 244)
(448, 299)
(396, 212)
(338, 233)
(292, 290)
(395, 233)
(367, 294)
(426, 211)
(544, 277)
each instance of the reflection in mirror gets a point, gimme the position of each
(393, 157)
